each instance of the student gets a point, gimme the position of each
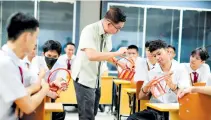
(172, 52)
(171, 83)
(94, 48)
(51, 52)
(197, 89)
(132, 51)
(197, 68)
(69, 56)
(22, 32)
(132, 54)
(28, 59)
(144, 65)
(30, 79)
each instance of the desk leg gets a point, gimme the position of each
(138, 105)
(113, 97)
(48, 116)
(119, 98)
(174, 115)
(134, 103)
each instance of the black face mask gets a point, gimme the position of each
(50, 62)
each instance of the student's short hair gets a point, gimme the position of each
(19, 23)
(157, 44)
(147, 44)
(116, 15)
(52, 45)
(133, 47)
(172, 47)
(202, 53)
(69, 43)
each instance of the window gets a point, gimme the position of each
(163, 24)
(56, 22)
(195, 33)
(9, 8)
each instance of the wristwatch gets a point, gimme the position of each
(142, 89)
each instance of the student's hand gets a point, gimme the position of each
(53, 94)
(18, 112)
(181, 93)
(168, 79)
(122, 51)
(64, 85)
(147, 87)
(122, 65)
(58, 84)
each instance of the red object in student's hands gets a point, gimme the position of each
(54, 87)
(157, 89)
(128, 72)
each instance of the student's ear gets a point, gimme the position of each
(25, 36)
(28, 36)
(43, 53)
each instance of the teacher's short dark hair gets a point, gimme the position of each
(116, 15)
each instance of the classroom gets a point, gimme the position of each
(105, 60)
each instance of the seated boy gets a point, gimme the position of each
(51, 52)
(172, 83)
(197, 68)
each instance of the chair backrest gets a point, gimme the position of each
(39, 113)
(138, 87)
(195, 106)
(199, 84)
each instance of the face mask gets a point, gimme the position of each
(50, 62)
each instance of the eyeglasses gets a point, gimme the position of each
(114, 25)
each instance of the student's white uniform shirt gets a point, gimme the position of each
(179, 77)
(82, 67)
(11, 87)
(143, 66)
(26, 62)
(174, 61)
(30, 77)
(39, 63)
(203, 72)
(64, 59)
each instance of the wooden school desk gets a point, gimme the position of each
(106, 90)
(43, 112)
(52, 107)
(132, 93)
(121, 84)
(68, 96)
(171, 108)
